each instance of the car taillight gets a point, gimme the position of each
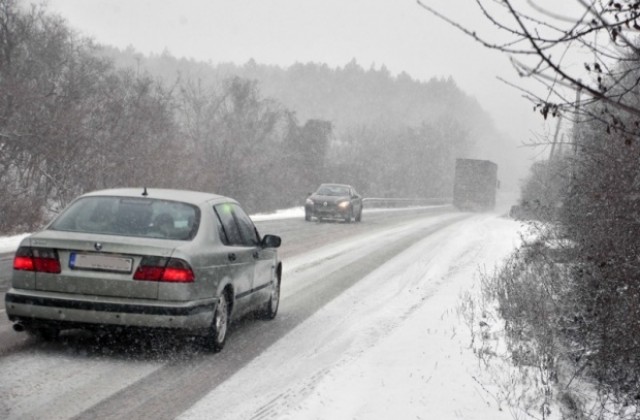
(171, 270)
(42, 260)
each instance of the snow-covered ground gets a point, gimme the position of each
(10, 243)
(393, 346)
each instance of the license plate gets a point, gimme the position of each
(100, 262)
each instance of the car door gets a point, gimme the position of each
(264, 258)
(240, 256)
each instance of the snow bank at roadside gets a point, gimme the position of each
(10, 243)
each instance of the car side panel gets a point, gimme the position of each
(266, 260)
(242, 272)
(210, 265)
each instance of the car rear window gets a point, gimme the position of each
(130, 216)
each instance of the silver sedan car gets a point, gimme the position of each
(180, 260)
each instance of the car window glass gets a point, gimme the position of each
(230, 228)
(219, 229)
(246, 226)
(333, 190)
(130, 216)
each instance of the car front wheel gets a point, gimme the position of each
(217, 336)
(307, 216)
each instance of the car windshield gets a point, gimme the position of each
(130, 216)
(333, 190)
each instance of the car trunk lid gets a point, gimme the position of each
(100, 265)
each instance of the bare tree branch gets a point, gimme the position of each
(537, 34)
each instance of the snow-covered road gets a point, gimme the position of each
(388, 345)
(393, 346)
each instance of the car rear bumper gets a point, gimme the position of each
(63, 309)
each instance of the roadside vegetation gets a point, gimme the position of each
(76, 116)
(564, 310)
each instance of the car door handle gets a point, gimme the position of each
(231, 256)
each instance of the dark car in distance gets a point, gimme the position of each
(334, 201)
(184, 261)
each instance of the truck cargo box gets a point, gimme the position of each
(475, 184)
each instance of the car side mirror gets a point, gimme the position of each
(270, 241)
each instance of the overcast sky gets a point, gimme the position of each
(396, 33)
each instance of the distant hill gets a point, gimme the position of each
(348, 97)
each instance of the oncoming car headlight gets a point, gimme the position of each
(344, 204)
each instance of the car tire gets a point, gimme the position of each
(271, 307)
(217, 336)
(307, 216)
(359, 216)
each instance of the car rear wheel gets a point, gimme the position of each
(217, 336)
(271, 308)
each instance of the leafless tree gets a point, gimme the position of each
(585, 46)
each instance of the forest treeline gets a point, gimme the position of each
(76, 116)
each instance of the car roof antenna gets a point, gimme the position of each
(145, 193)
